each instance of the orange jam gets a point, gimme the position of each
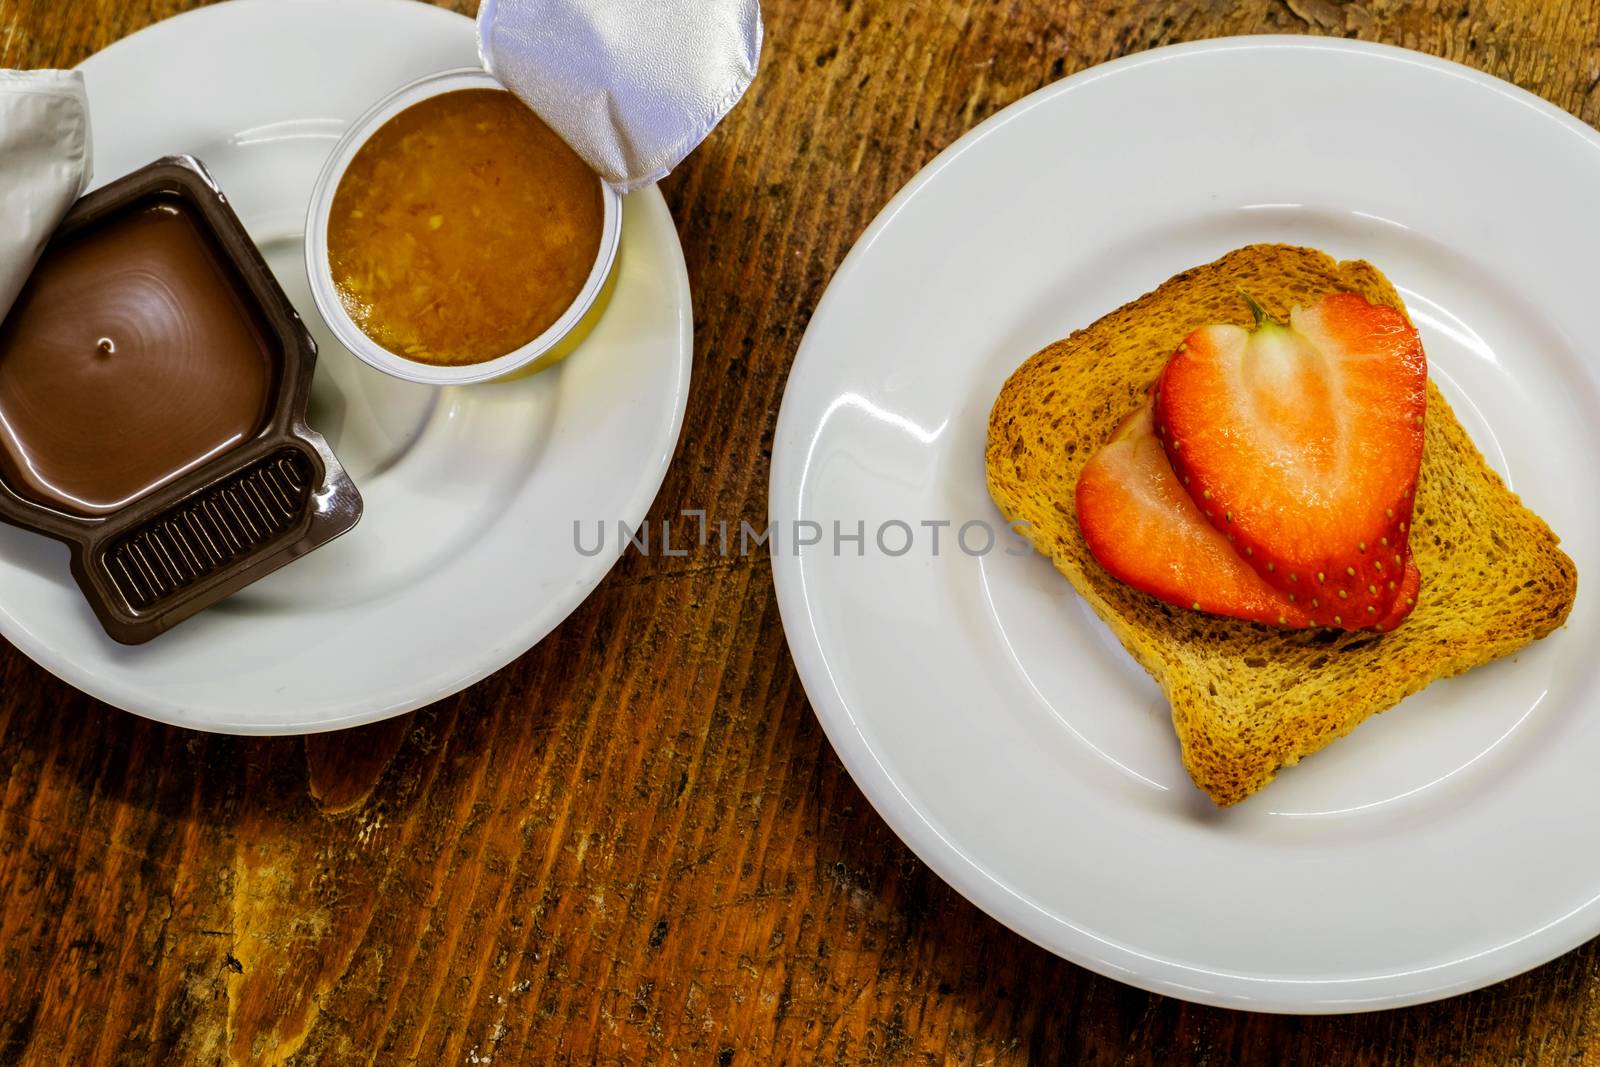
(463, 229)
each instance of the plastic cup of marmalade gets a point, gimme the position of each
(548, 348)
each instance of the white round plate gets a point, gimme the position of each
(465, 556)
(985, 710)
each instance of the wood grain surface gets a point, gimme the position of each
(634, 845)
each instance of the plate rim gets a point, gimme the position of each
(176, 713)
(1006, 904)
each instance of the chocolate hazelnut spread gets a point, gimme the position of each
(130, 357)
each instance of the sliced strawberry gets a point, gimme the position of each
(1302, 442)
(1406, 593)
(1145, 530)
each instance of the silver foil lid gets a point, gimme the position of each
(44, 165)
(632, 85)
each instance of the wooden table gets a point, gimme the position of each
(634, 845)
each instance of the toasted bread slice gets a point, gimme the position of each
(1248, 699)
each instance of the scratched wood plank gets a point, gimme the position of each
(633, 844)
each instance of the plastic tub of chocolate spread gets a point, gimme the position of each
(153, 388)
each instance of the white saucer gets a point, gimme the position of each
(985, 710)
(465, 557)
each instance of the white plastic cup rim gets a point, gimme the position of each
(320, 271)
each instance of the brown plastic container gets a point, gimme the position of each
(198, 536)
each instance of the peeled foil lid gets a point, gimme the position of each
(44, 165)
(632, 85)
